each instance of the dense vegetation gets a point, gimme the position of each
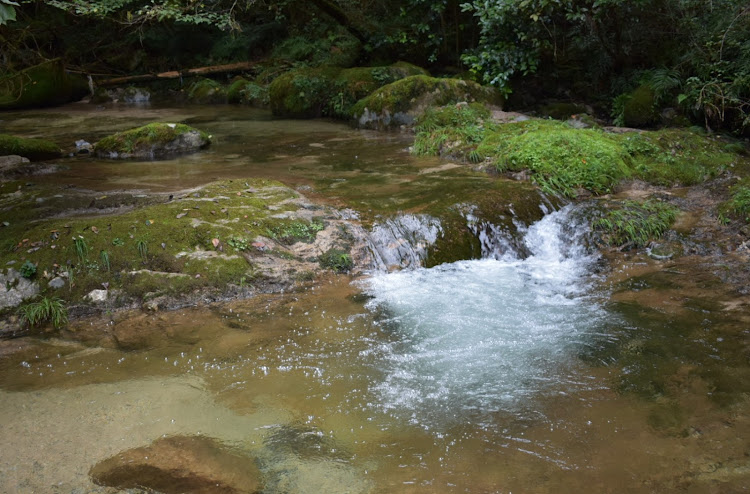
(628, 59)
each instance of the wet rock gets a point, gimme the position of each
(401, 102)
(179, 464)
(14, 289)
(11, 162)
(57, 283)
(157, 140)
(83, 147)
(97, 296)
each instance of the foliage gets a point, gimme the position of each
(28, 269)
(44, 310)
(81, 247)
(336, 260)
(7, 11)
(141, 246)
(239, 243)
(739, 204)
(635, 224)
(453, 130)
(104, 256)
(290, 232)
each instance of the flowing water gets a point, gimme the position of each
(522, 371)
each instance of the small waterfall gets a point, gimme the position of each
(489, 335)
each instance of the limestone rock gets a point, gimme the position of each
(14, 289)
(57, 283)
(180, 464)
(97, 296)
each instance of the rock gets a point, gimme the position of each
(83, 147)
(11, 162)
(157, 140)
(136, 95)
(56, 283)
(97, 296)
(32, 149)
(14, 289)
(207, 92)
(401, 102)
(180, 464)
(331, 91)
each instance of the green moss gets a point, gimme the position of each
(248, 93)
(639, 109)
(330, 91)
(453, 131)
(401, 101)
(634, 224)
(336, 260)
(150, 141)
(207, 91)
(33, 149)
(180, 254)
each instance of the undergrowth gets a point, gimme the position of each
(635, 224)
(46, 309)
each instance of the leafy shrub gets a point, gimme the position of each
(28, 269)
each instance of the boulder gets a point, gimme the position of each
(97, 296)
(157, 140)
(32, 149)
(331, 91)
(11, 162)
(399, 103)
(178, 464)
(207, 92)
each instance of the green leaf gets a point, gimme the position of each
(7, 13)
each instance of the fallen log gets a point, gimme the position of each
(174, 74)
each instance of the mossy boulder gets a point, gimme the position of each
(207, 92)
(400, 102)
(156, 140)
(640, 108)
(46, 84)
(33, 149)
(248, 93)
(331, 91)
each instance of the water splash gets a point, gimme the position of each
(490, 335)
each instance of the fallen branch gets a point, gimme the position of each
(175, 74)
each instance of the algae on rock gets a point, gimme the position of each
(156, 140)
(33, 149)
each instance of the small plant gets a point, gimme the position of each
(104, 256)
(296, 231)
(82, 248)
(28, 269)
(45, 310)
(142, 247)
(737, 206)
(635, 224)
(239, 243)
(336, 260)
(118, 242)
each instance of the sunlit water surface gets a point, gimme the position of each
(497, 375)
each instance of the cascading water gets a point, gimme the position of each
(490, 335)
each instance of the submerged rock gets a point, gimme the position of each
(400, 102)
(178, 464)
(156, 140)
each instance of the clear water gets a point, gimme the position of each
(520, 372)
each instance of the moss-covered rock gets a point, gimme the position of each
(248, 93)
(46, 84)
(400, 102)
(640, 108)
(33, 149)
(206, 92)
(156, 140)
(331, 91)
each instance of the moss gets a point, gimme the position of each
(206, 91)
(248, 93)
(640, 108)
(336, 260)
(152, 141)
(33, 149)
(45, 84)
(179, 257)
(330, 91)
(400, 102)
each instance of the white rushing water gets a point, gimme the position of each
(487, 336)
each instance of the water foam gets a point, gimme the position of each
(486, 335)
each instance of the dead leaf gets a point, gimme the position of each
(181, 215)
(95, 230)
(215, 242)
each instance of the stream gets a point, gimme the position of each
(528, 370)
